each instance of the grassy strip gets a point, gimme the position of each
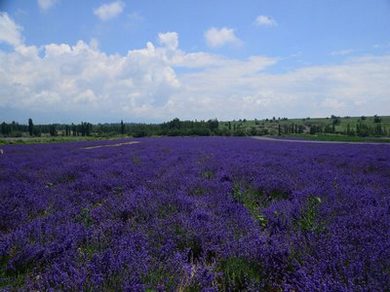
(337, 138)
(59, 139)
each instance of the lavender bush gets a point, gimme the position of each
(195, 214)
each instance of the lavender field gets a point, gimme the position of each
(195, 213)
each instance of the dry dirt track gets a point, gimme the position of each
(111, 145)
(314, 141)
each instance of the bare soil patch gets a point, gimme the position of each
(111, 145)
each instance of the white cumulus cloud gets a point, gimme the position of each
(109, 10)
(10, 32)
(264, 20)
(169, 39)
(45, 5)
(218, 37)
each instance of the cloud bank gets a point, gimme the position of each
(160, 81)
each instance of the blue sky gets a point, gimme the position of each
(152, 61)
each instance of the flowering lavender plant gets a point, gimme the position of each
(195, 213)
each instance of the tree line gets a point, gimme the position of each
(177, 127)
(15, 129)
(174, 127)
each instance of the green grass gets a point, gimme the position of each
(58, 139)
(157, 277)
(340, 138)
(85, 217)
(255, 200)
(14, 279)
(237, 272)
(309, 219)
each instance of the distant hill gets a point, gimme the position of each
(363, 126)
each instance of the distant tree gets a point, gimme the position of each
(224, 132)
(239, 132)
(37, 132)
(286, 129)
(377, 119)
(262, 132)
(174, 124)
(67, 130)
(350, 131)
(53, 130)
(81, 129)
(362, 129)
(74, 130)
(379, 130)
(85, 129)
(329, 128)
(5, 129)
(213, 124)
(30, 127)
(122, 127)
(138, 133)
(314, 129)
(335, 120)
(89, 129)
(252, 131)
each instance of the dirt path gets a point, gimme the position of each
(315, 141)
(111, 145)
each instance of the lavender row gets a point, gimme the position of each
(195, 213)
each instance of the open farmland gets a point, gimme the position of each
(195, 213)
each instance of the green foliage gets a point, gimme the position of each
(87, 251)
(378, 126)
(207, 174)
(377, 119)
(159, 277)
(30, 126)
(85, 217)
(253, 201)
(166, 210)
(14, 278)
(187, 241)
(53, 131)
(308, 220)
(237, 273)
(122, 128)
